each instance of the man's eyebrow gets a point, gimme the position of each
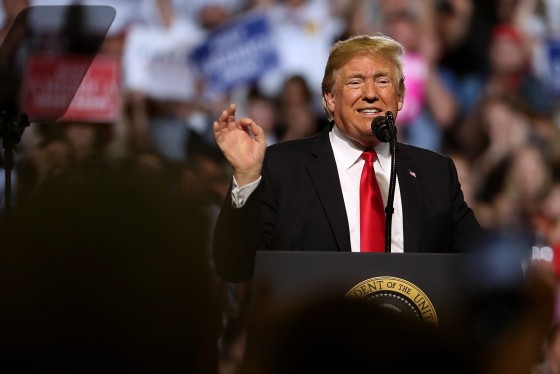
(355, 74)
(376, 74)
(382, 73)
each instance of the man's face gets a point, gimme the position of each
(365, 88)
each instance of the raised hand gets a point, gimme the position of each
(243, 144)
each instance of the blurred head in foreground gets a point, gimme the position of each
(343, 335)
(106, 270)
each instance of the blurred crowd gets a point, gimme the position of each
(483, 86)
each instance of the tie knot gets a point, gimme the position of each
(369, 155)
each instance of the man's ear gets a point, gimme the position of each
(329, 100)
(401, 93)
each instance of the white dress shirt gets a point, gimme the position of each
(349, 164)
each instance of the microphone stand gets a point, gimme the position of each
(11, 131)
(389, 209)
(385, 130)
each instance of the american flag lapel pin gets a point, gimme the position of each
(412, 173)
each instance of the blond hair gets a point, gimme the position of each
(344, 50)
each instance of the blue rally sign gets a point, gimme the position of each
(236, 54)
(554, 65)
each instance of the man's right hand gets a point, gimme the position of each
(243, 144)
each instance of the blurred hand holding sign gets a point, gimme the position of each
(236, 54)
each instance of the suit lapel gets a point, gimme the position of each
(324, 176)
(411, 196)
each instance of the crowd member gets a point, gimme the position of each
(304, 31)
(160, 91)
(107, 272)
(258, 5)
(508, 55)
(263, 108)
(233, 346)
(502, 127)
(519, 348)
(304, 195)
(63, 149)
(452, 22)
(525, 181)
(546, 222)
(430, 106)
(358, 19)
(535, 19)
(88, 140)
(54, 157)
(551, 362)
(530, 177)
(464, 31)
(506, 130)
(297, 116)
(467, 177)
(215, 13)
(465, 40)
(345, 335)
(511, 70)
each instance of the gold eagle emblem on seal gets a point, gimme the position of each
(398, 295)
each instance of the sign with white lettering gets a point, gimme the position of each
(98, 97)
(51, 88)
(236, 54)
(154, 60)
(50, 84)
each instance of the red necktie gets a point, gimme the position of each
(372, 215)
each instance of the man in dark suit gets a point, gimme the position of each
(305, 194)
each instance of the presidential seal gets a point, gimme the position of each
(397, 295)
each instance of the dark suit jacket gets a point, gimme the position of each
(298, 206)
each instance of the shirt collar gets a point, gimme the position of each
(348, 152)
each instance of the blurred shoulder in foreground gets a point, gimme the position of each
(107, 269)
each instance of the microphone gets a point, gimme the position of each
(386, 132)
(384, 128)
